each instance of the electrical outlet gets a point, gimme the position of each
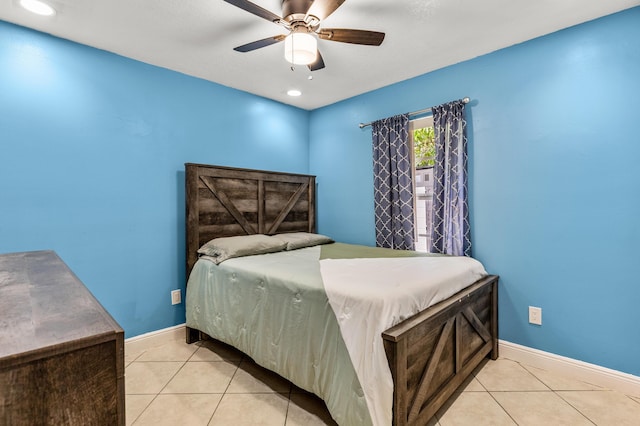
(176, 297)
(535, 315)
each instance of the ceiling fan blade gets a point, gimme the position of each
(318, 64)
(260, 43)
(321, 9)
(255, 9)
(370, 38)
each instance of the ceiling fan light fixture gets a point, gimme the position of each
(303, 19)
(300, 47)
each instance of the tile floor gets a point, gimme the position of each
(171, 383)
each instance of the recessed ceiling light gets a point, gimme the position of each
(294, 92)
(38, 7)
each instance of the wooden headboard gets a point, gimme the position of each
(225, 202)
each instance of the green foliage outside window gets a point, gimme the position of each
(424, 146)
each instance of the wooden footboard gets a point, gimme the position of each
(433, 352)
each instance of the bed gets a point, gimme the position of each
(429, 355)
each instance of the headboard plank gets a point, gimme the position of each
(261, 203)
(287, 208)
(226, 201)
(230, 207)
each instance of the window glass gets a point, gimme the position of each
(421, 131)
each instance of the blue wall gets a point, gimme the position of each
(554, 180)
(92, 153)
(92, 147)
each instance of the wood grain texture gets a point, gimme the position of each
(61, 353)
(446, 343)
(225, 201)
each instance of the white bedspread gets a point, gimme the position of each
(369, 296)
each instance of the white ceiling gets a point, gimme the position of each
(197, 37)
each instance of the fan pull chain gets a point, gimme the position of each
(293, 51)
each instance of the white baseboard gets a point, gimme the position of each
(177, 330)
(591, 373)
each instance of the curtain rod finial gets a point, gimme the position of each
(466, 100)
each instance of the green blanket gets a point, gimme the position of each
(274, 308)
(352, 251)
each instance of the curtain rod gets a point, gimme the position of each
(422, 111)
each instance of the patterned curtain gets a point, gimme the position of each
(450, 231)
(393, 185)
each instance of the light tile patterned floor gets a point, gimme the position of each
(171, 383)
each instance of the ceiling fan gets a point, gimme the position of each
(302, 18)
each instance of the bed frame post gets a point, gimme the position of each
(192, 335)
(494, 319)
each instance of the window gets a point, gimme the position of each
(421, 131)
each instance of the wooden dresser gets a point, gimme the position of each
(61, 353)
